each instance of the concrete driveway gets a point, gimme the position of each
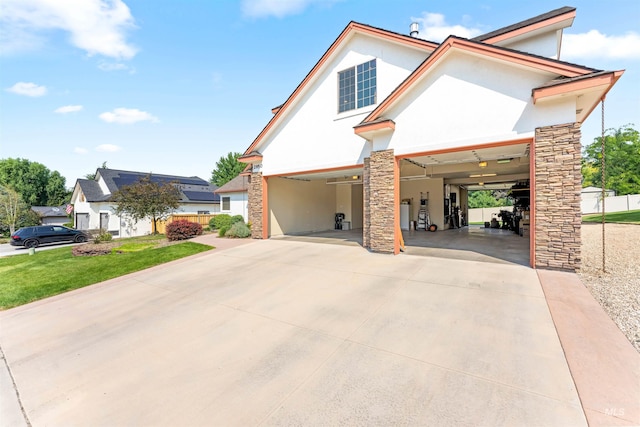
(293, 333)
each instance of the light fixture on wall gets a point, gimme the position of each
(501, 161)
(355, 177)
(482, 164)
(481, 183)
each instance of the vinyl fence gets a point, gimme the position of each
(630, 202)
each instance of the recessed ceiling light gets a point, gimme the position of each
(475, 176)
(489, 174)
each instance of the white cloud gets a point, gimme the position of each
(434, 27)
(127, 116)
(98, 27)
(108, 148)
(594, 44)
(80, 150)
(278, 8)
(68, 109)
(27, 89)
(116, 66)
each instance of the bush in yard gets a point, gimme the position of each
(102, 237)
(239, 229)
(183, 229)
(237, 218)
(219, 221)
(222, 231)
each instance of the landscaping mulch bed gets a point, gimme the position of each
(94, 249)
(617, 289)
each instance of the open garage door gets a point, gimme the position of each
(434, 194)
(318, 202)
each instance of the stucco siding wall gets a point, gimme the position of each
(544, 45)
(300, 206)
(238, 204)
(435, 188)
(314, 120)
(468, 100)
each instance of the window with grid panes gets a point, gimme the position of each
(357, 86)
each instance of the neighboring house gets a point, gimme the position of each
(385, 119)
(52, 215)
(93, 208)
(234, 196)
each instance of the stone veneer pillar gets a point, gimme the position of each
(380, 203)
(366, 212)
(255, 205)
(557, 212)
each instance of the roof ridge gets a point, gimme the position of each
(525, 23)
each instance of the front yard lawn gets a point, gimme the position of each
(27, 278)
(630, 217)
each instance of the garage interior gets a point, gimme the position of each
(328, 206)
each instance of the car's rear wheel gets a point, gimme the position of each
(80, 238)
(31, 243)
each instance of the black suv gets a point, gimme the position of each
(31, 237)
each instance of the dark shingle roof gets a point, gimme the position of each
(92, 191)
(525, 23)
(238, 184)
(50, 211)
(192, 189)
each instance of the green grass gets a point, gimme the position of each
(632, 217)
(27, 278)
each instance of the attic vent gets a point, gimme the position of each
(414, 29)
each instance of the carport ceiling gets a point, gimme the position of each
(340, 174)
(503, 164)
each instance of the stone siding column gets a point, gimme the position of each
(255, 205)
(382, 202)
(366, 212)
(557, 197)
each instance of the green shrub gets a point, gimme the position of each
(239, 229)
(183, 229)
(237, 218)
(222, 231)
(68, 224)
(219, 221)
(102, 237)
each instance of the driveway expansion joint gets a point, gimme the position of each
(15, 387)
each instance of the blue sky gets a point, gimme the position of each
(170, 86)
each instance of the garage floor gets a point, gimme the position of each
(474, 243)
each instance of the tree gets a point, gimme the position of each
(92, 176)
(11, 204)
(622, 161)
(488, 199)
(227, 168)
(147, 199)
(37, 185)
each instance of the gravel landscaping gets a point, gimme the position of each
(617, 289)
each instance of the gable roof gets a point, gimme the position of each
(352, 28)
(239, 184)
(91, 190)
(543, 20)
(50, 211)
(192, 189)
(555, 66)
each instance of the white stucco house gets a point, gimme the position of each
(234, 197)
(386, 123)
(93, 208)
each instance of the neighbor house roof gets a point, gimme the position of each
(92, 191)
(239, 184)
(192, 189)
(50, 211)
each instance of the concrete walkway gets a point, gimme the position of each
(294, 333)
